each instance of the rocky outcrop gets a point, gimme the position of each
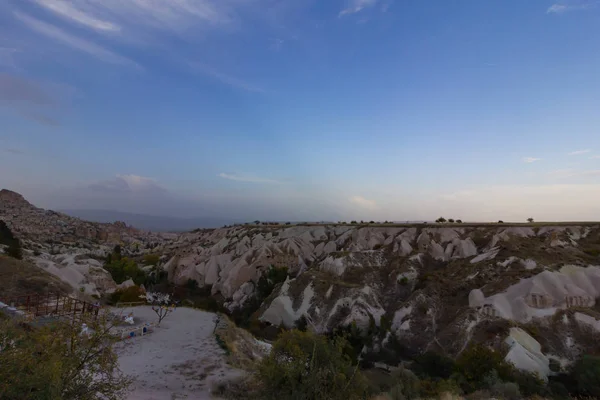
(37, 225)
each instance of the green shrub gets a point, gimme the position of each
(505, 391)
(406, 385)
(433, 365)
(585, 375)
(151, 259)
(302, 365)
(14, 250)
(130, 295)
(476, 364)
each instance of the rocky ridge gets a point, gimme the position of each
(70, 248)
(530, 289)
(440, 287)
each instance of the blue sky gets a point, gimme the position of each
(306, 109)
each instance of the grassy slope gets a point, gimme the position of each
(20, 277)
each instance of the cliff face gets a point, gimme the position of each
(438, 286)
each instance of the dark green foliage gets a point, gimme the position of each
(302, 324)
(440, 220)
(585, 376)
(269, 280)
(130, 295)
(7, 238)
(433, 365)
(192, 284)
(151, 259)
(222, 344)
(302, 365)
(450, 220)
(123, 268)
(14, 250)
(476, 363)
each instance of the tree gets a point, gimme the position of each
(14, 250)
(303, 365)
(57, 361)
(459, 221)
(257, 222)
(500, 222)
(161, 303)
(7, 238)
(450, 220)
(440, 220)
(530, 220)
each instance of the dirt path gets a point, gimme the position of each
(179, 360)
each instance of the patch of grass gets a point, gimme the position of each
(19, 277)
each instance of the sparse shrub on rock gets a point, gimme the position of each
(303, 365)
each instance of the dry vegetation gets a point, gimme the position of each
(19, 277)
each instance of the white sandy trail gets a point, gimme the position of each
(178, 360)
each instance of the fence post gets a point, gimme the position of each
(57, 300)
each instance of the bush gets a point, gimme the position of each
(433, 365)
(130, 295)
(122, 269)
(505, 390)
(585, 375)
(14, 250)
(406, 385)
(151, 259)
(302, 365)
(37, 364)
(476, 364)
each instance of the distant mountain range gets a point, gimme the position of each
(149, 222)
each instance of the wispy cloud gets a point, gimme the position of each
(249, 179)
(596, 157)
(225, 78)
(530, 160)
(579, 152)
(354, 6)
(85, 46)
(131, 16)
(71, 12)
(128, 183)
(363, 202)
(562, 7)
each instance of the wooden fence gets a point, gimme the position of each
(50, 305)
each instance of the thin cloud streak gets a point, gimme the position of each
(363, 202)
(68, 11)
(226, 79)
(580, 152)
(530, 160)
(248, 179)
(560, 8)
(79, 44)
(355, 6)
